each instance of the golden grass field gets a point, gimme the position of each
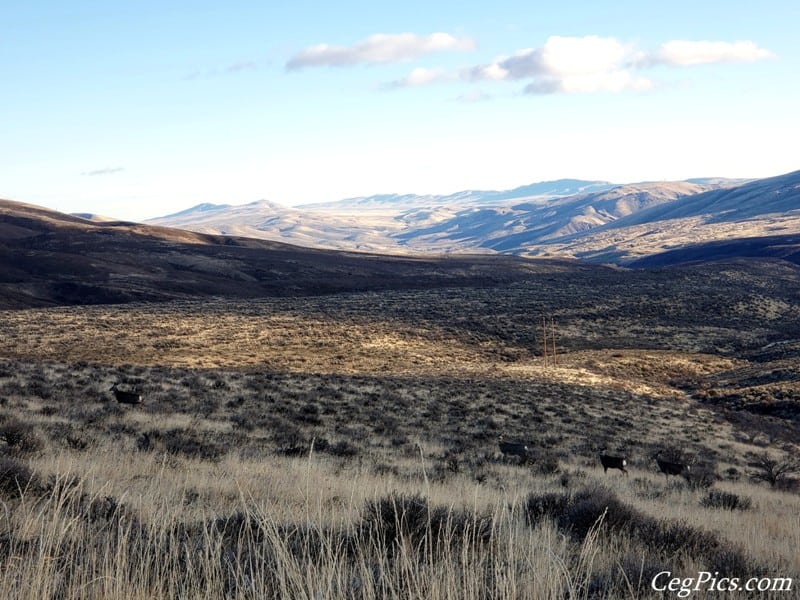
(345, 446)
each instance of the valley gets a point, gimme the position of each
(337, 415)
(299, 429)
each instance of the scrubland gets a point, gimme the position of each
(346, 446)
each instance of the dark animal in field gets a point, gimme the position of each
(124, 397)
(514, 449)
(613, 462)
(670, 468)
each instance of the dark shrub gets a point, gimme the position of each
(590, 505)
(544, 463)
(700, 478)
(569, 478)
(104, 508)
(396, 519)
(21, 436)
(774, 469)
(788, 484)
(733, 474)
(342, 448)
(730, 560)
(640, 571)
(674, 537)
(541, 506)
(179, 441)
(578, 513)
(16, 478)
(726, 501)
(309, 414)
(300, 450)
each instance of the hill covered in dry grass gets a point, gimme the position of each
(326, 425)
(346, 445)
(49, 258)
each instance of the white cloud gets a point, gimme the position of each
(614, 81)
(419, 76)
(566, 65)
(685, 53)
(559, 57)
(379, 48)
(583, 65)
(590, 55)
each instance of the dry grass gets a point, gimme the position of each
(275, 433)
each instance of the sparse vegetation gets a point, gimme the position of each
(774, 470)
(346, 446)
(726, 500)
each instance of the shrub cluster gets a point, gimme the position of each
(726, 501)
(398, 519)
(577, 513)
(21, 436)
(16, 478)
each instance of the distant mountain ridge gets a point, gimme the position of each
(774, 195)
(590, 220)
(544, 189)
(512, 229)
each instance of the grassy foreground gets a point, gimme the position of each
(346, 447)
(108, 524)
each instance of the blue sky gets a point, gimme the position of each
(136, 110)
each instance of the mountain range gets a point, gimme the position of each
(47, 257)
(593, 221)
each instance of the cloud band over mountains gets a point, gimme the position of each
(595, 64)
(586, 64)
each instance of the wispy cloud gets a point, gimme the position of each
(473, 96)
(106, 171)
(685, 53)
(232, 69)
(245, 65)
(590, 64)
(379, 48)
(418, 77)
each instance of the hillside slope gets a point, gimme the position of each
(510, 229)
(756, 219)
(469, 221)
(51, 258)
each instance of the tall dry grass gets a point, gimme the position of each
(110, 524)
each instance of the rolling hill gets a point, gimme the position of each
(637, 225)
(50, 258)
(511, 229)
(470, 221)
(755, 219)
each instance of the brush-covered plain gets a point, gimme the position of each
(345, 446)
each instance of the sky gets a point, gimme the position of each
(136, 110)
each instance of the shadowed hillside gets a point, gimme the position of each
(52, 258)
